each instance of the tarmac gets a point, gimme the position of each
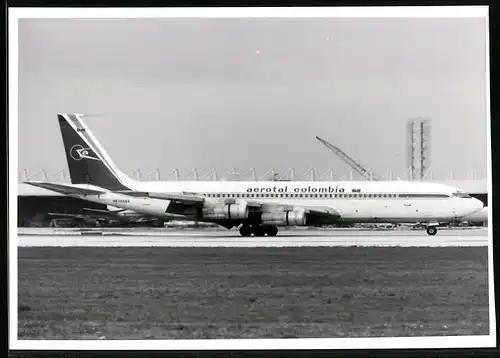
(34, 237)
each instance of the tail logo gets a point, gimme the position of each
(77, 152)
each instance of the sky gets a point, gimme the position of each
(184, 93)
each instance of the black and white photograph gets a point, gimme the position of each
(250, 178)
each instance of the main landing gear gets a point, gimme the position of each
(258, 230)
(431, 230)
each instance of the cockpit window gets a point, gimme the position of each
(459, 194)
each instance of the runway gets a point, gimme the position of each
(217, 238)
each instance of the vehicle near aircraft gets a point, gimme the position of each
(257, 208)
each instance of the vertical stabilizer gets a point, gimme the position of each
(87, 161)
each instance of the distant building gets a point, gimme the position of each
(35, 207)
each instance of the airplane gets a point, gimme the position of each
(257, 208)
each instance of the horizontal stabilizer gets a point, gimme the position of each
(65, 189)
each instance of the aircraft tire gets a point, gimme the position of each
(259, 231)
(245, 230)
(431, 230)
(272, 230)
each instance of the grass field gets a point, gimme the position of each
(167, 293)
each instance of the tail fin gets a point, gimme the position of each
(87, 161)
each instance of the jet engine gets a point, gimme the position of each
(286, 218)
(238, 211)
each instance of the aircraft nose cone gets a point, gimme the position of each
(469, 206)
(476, 205)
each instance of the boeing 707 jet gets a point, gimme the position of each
(257, 208)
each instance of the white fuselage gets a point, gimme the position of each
(365, 201)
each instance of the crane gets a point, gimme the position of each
(351, 162)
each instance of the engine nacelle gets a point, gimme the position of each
(286, 218)
(237, 211)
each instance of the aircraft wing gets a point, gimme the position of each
(192, 199)
(326, 211)
(65, 189)
(187, 199)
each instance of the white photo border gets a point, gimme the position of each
(14, 14)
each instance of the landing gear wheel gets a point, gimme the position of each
(431, 230)
(245, 230)
(259, 231)
(272, 230)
